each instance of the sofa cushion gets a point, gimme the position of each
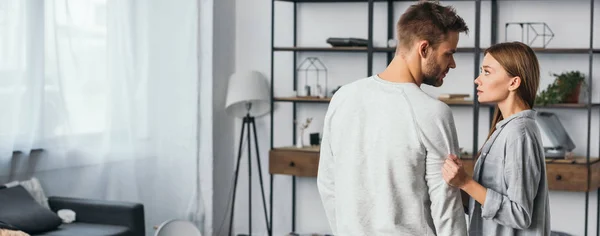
(77, 229)
(20, 210)
(34, 188)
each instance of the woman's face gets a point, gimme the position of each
(493, 82)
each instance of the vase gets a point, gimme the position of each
(300, 140)
(573, 96)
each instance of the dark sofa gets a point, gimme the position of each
(18, 210)
(99, 218)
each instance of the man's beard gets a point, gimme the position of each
(431, 73)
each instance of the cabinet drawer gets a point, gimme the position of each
(563, 176)
(567, 177)
(293, 162)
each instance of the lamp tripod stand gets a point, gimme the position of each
(249, 124)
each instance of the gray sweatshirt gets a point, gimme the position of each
(382, 151)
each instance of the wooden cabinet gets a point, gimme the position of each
(563, 175)
(294, 161)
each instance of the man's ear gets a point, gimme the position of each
(515, 83)
(423, 48)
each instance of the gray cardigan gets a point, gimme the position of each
(514, 173)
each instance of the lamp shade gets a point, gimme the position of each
(248, 87)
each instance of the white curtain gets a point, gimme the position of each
(110, 86)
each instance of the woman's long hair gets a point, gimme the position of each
(520, 60)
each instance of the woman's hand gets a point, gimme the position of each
(453, 172)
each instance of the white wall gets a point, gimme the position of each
(317, 21)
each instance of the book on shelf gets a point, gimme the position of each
(452, 96)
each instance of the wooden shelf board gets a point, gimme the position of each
(576, 160)
(450, 102)
(393, 49)
(364, 1)
(562, 50)
(459, 50)
(459, 102)
(321, 49)
(567, 105)
(302, 99)
(295, 149)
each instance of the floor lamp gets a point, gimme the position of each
(248, 97)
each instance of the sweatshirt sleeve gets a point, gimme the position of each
(438, 136)
(326, 172)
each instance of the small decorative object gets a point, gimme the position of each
(307, 91)
(565, 89)
(300, 139)
(320, 92)
(315, 139)
(536, 28)
(314, 69)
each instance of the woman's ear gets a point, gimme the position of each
(515, 83)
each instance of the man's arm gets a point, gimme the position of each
(440, 139)
(326, 177)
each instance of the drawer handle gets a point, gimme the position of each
(292, 164)
(558, 177)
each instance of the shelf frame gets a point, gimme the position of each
(476, 50)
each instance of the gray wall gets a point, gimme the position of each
(223, 134)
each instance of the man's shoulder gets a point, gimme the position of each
(425, 105)
(354, 85)
(349, 89)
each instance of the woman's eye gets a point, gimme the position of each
(486, 72)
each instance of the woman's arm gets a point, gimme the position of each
(475, 190)
(455, 175)
(522, 174)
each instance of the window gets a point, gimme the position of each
(76, 64)
(53, 70)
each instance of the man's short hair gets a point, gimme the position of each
(428, 21)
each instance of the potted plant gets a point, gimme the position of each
(565, 89)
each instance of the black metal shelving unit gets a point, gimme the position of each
(370, 50)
